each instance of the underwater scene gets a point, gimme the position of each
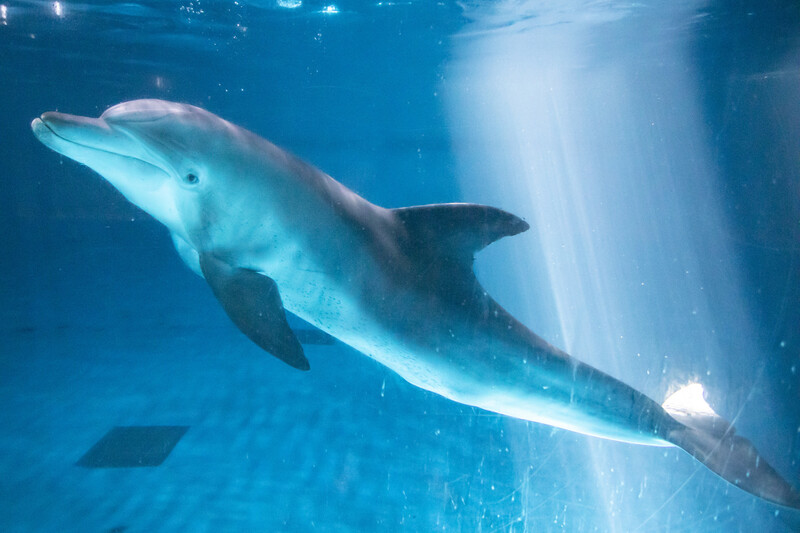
(355, 266)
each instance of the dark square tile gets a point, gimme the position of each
(133, 446)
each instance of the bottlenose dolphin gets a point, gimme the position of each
(270, 232)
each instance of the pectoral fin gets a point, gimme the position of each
(254, 304)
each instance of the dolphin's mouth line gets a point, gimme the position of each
(46, 125)
(117, 154)
(54, 132)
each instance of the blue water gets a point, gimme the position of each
(652, 146)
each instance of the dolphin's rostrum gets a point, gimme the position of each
(268, 231)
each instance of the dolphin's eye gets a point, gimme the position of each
(191, 178)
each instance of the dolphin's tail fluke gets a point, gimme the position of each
(713, 441)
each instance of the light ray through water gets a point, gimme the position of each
(591, 129)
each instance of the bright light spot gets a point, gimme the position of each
(3, 14)
(290, 4)
(330, 9)
(159, 82)
(689, 399)
(58, 9)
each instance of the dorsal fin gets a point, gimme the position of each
(457, 231)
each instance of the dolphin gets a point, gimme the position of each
(271, 233)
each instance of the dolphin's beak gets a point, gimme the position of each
(108, 148)
(76, 136)
(127, 159)
(67, 126)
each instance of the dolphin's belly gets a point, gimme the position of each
(483, 364)
(339, 306)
